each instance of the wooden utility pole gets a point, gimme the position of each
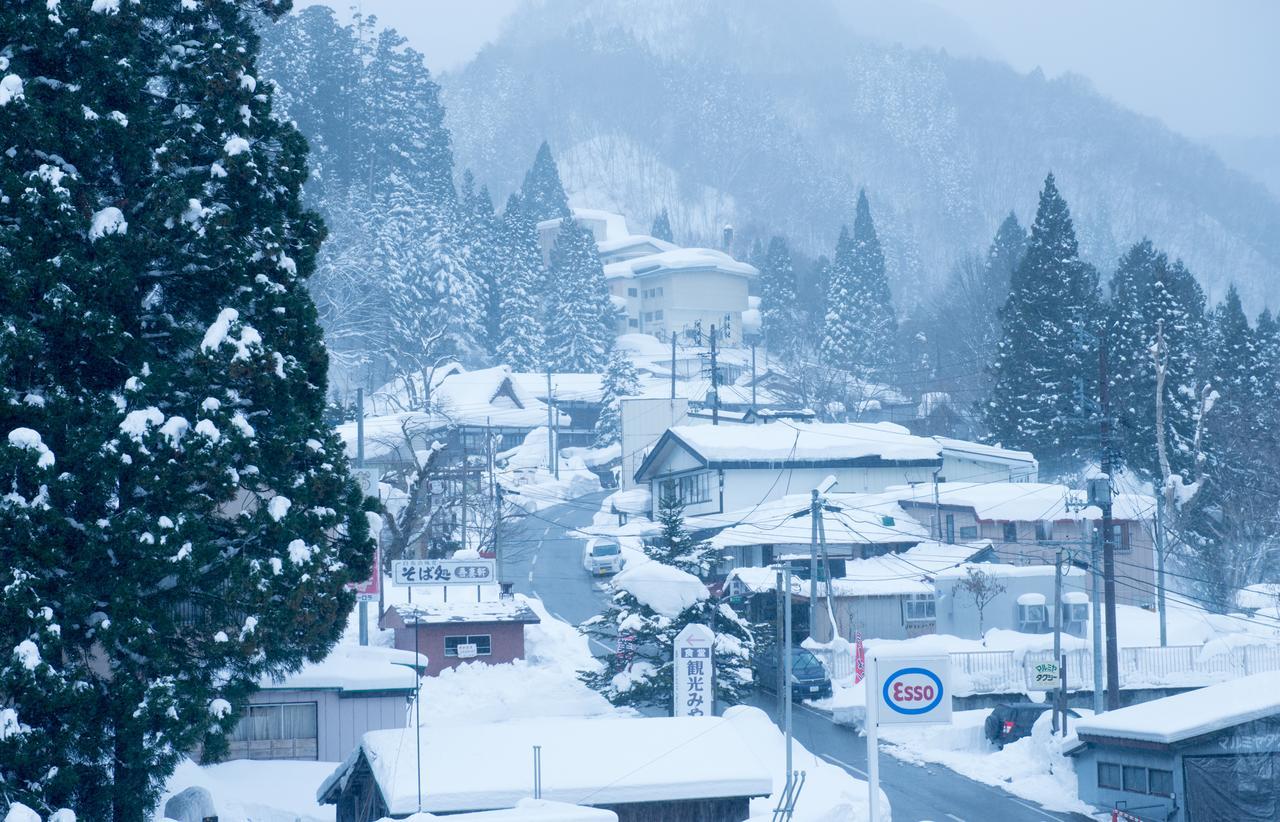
(715, 381)
(1108, 541)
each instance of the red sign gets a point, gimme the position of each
(369, 590)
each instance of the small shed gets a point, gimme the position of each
(458, 630)
(1023, 601)
(644, 769)
(323, 710)
(1208, 754)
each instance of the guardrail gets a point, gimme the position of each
(1172, 666)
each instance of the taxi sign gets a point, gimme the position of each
(913, 690)
(1044, 676)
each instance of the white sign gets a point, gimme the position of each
(1044, 676)
(414, 572)
(466, 650)
(914, 690)
(367, 479)
(694, 673)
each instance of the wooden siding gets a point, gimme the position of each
(342, 718)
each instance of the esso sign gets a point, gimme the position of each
(914, 690)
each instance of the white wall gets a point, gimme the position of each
(958, 615)
(644, 420)
(968, 469)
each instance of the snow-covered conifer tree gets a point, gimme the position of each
(662, 227)
(178, 519)
(542, 192)
(580, 315)
(1046, 362)
(620, 380)
(520, 281)
(481, 237)
(779, 308)
(861, 322)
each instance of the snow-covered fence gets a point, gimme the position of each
(978, 672)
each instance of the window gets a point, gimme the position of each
(284, 731)
(1109, 775)
(1159, 783)
(648, 315)
(1120, 536)
(657, 315)
(1011, 532)
(483, 643)
(631, 292)
(658, 291)
(1135, 779)
(920, 608)
(968, 532)
(693, 488)
(951, 528)
(633, 323)
(1075, 612)
(1044, 531)
(1031, 618)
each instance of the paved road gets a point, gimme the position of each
(543, 560)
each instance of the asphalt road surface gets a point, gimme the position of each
(543, 559)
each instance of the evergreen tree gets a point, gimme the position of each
(780, 319)
(481, 238)
(674, 545)
(620, 380)
(521, 282)
(542, 193)
(160, 368)
(861, 322)
(662, 227)
(1045, 364)
(640, 674)
(1148, 295)
(580, 315)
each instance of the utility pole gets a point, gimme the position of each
(551, 445)
(364, 606)
(753, 372)
(673, 365)
(786, 666)
(1095, 605)
(1160, 603)
(715, 381)
(814, 505)
(1108, 543)
(1057, 631)
(782, 606)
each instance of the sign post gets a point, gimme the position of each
(903, 691)
(694, 671)
(1044, 676)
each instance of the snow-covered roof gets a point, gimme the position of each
(1024, 501)
(903, 572)
(352, 668)
(632, 501)
(526, 810)
(1031, 598)
(985, 453)
(663, 588)
(785, 444)
(458, 609)
(1191, 714)
(1003, 570)
(678, 259)
(464, 397)
(605, 761)
(567, 386)
(611, 225)
(619, 245)
(848, 519)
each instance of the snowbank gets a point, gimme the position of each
(256, 791)
(1033, 768)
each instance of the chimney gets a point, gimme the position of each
(728, 236)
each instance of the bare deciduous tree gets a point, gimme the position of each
(982, 588)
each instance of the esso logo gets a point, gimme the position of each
(912, 691)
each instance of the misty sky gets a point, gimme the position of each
(1204, 68)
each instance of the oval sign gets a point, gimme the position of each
(912, 691)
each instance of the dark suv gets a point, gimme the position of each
(1013, 720)
(809, 678)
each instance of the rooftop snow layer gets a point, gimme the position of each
(614, 245)
(849, 519)
(460, 609)
(355, 668)
(997, 569)
(678, 259)
(1194, 713)
(1024, 501)
(526, 810)
(602, 761)
(903, 572)
(789, 443)
(985, 452)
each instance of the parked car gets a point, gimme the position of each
(1012, 721)
(809, 678)
(601, 557)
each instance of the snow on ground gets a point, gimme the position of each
(1032, 768)
(528, 484)
(830, 794)
(256, 791)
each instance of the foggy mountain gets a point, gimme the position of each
(770, 116)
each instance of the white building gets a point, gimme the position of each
(719, 468)
(1025, 604)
